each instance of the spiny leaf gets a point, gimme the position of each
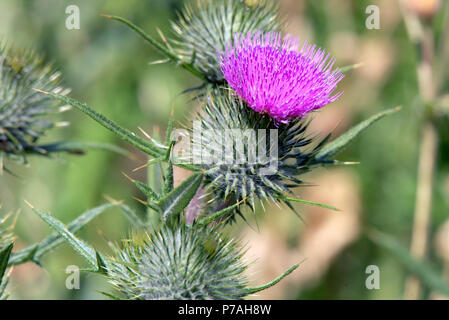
(272, 283)
(425, 272)
(109, 295)
(336, 146)
(36, 251)
(144, 188)
(125, 134)
(5, 253)
(177, 200)
(78, 245)
(101, 264)
(221, 213)
(311, 203)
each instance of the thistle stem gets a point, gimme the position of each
(423, 205)
(423, 38)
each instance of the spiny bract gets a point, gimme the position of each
(23, 111)
(178, 262)
(245, 154)
(208, 27)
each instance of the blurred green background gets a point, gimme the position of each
(107, 66)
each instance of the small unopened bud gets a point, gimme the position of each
(424, 8)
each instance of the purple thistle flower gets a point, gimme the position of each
(274, 77)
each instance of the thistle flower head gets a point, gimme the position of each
(277, 78)
(177, 263)
(208, 27)
(23, 111)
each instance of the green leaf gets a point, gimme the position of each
(311, 203)
(5, 253)
(219, 214)
(425, 272)
(336, 146)
(36, 251)
(78, 245)
(126, 135)
(177, 200)
(101, 264)
(253, 290)
(145, 189)
(109, 295)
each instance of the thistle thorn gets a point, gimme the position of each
(29, 204)
(41, 91)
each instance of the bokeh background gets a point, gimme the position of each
(107, 66)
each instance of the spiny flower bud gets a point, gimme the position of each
(245, 154)
(23, 111)
(208, 28)
(275, 79)
(177, 263)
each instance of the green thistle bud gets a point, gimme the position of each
(182, 262)
(210, 26)
(228, 133)
(23, 111)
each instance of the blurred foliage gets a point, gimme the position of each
(107, 65)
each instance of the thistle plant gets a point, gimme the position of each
(223, 118)
(208, 27)
(254, 81)
(24, 113)
(183, 262)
